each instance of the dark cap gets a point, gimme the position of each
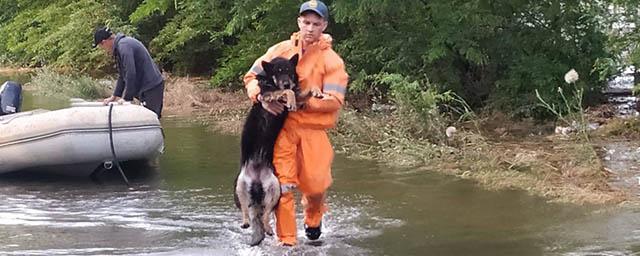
(315, 6)
(100, 34)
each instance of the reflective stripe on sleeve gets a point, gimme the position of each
(334, 87)
(257, 70)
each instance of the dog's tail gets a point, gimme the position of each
(256, 212)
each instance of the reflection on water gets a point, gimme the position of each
(41, 218)
(185, 207)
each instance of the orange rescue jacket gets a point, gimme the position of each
(318, 66)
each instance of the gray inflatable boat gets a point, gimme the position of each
(76, 140)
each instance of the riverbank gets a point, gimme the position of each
(493, 151)
(501, 155)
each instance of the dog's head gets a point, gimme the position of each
(281, 72)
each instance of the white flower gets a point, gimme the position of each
(567, 130)
(558, 129)
(450, 131)
(564, 130)
(571, 76)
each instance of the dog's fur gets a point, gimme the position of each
(257, 190)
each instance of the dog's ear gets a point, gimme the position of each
(267, 67)
(294, 60)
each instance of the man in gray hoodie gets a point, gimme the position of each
(139, 76)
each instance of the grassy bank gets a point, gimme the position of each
(493, 151)
(552, 166)
(505, 155)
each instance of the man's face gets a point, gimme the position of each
(107, 45)
(311, 27)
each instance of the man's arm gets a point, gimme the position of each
(250, 78)
(253, 89)
(251, 81)
(119, 87)
(334, 86)
(128, 65)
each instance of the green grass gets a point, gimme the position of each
(50, 83)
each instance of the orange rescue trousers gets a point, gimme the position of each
(302, 157)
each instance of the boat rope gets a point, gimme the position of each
(113, 150)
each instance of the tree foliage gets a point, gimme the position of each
(492, 53)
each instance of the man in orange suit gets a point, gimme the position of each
(303, 152)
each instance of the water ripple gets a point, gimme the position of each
(165, 222)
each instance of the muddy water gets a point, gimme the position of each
(184, 206)
(622, 159)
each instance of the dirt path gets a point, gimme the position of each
(5, 70)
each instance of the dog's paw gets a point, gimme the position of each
(317, 93)
(245, 225)
(256, 239)
(287, 187)
(269, 232)
(266, 97)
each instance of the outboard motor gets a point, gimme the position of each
(10, 98)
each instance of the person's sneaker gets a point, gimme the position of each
(313, 233)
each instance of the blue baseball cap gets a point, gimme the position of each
(315, 6)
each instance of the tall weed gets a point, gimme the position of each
(50, 83)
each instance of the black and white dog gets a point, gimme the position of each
(257, 190)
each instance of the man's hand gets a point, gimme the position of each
(110, 99)
(253, 90)
(274, 107)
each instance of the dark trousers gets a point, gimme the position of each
(152, 99)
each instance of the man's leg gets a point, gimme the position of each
(152, 99)
(284, 160)
(314, 208)
(315, 177)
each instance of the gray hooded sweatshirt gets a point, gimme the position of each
(138, 71)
